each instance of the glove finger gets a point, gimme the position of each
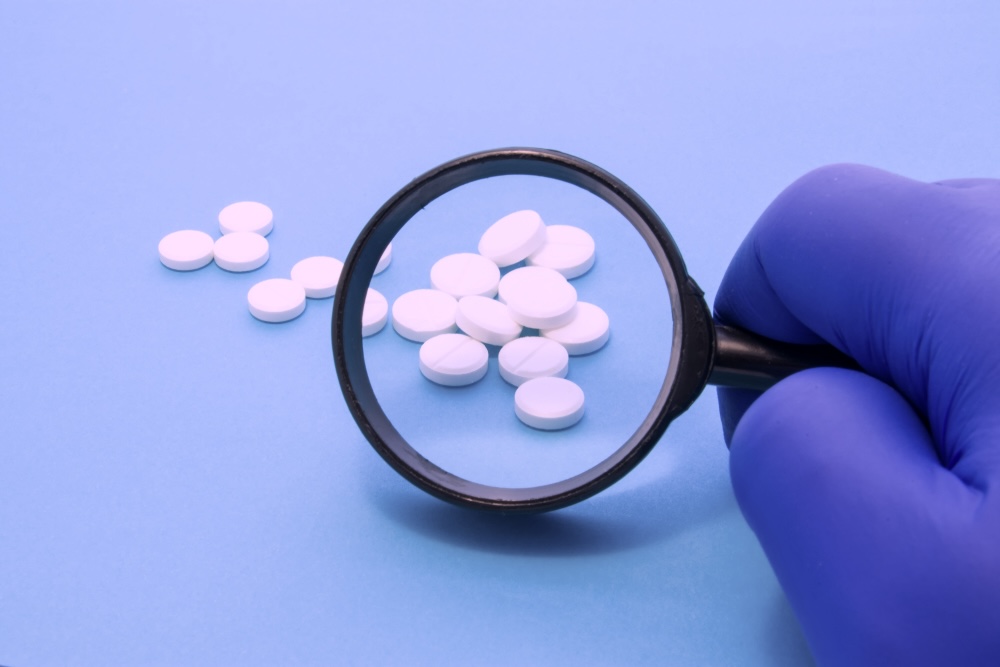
(874, 542)
(900, 275)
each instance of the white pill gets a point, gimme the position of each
(538, 298)
(246, 216)
(567, 249)
(549, 403)
(424, 313)
(523, 359)
(588, 332)
(276, 300)
(453, 359)
(513, 237)
(465, 274)
(375, 314)
(384, 260)
(241, 251)
(318, 275)
(487, 320)
(186, 250)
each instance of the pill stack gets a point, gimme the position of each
(243, 247)
(532, 313)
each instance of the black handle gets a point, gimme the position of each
(748, 361)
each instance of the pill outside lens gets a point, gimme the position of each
(241, 251)
(318, 275)
(186, 250)
(276, 300)
(246, 216)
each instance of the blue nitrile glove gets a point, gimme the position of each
(876, 496)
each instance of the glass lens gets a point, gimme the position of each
(474, 431)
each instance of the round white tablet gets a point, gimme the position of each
(538, 298)
(186, 250)
(567, 249)
(318, 276)
(453, 359)
(523, 359)
(465, 274)
(384, 260)
(241, 251)
(276, 300)
(375, 314)
(487, 320)
(549, 403)
(246, 216)
(513, 237)
(588, 332)
(424, 313)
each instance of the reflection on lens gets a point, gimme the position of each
(469, 427)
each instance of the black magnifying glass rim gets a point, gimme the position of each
(692, 338)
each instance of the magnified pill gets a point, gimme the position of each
(523, 359)
(375, 314)
(586, 333)
(246, 216)
(567, 249)
(465, 274)
(453, 360)
(549, 403)
(186, 250)
(384, 260)
(241, 251)
(538, 297)
(513, 237)
(487, 320)
(276, 300)
(424, 313)
(318, 276)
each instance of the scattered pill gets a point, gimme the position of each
(375, 314)
(453, 360)
(318, 276)
(487, 320)
(538, 297)
(549, 403)
(246, 216)
(424, 313)
(241, 251)
(276, 300)
(567, 249)
(186, 250)
(588, 332)
(523, 359)
(465, 274)
(513, 237)
(384, 260)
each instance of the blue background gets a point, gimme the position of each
(180, 484)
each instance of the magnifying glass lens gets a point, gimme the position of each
(498, 426)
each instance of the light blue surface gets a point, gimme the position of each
(180, 484)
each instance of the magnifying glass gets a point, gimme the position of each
(486, 455)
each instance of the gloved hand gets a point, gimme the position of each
(876, 496)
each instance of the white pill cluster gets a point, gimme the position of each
(532, 313)
(243, 247)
